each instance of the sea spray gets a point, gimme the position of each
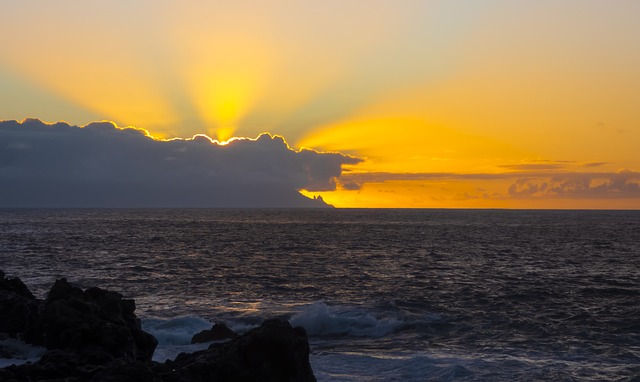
(505, 296)
(319, 319)
(16, 352)
(174, 335)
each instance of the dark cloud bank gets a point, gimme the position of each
(100, 165)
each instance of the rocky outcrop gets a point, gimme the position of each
(217, 332)
(94, 335)
(96, 323)
(18, 307)
(275, 351)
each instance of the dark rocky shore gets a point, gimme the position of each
(94, 335)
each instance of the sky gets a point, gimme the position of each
(438, 104)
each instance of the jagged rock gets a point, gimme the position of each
(94, 335)
(217, 332)
(96, 323)
(60, 365)
(15, 285)
(120, 371)
(272, 352)
(18, 307)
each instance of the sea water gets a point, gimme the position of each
(385, 295)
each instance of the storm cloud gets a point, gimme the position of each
(102, 165)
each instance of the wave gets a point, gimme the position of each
(319, 319)
(403, 366)
(441, 365)
(174, 334)
(15, 352)
(175, 331)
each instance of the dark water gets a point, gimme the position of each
(406, 295)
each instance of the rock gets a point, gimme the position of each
(96, 323)
(94, 335)
(59, 365)
(55, 365)
(15, 285)
(18, 307)
(120, 371)
(217, 332)
(272, 352)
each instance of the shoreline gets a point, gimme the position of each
(93, 334)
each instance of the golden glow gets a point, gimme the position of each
(397, 144)
(413, 87)
(225, 88)
(413, 194)
(447, 193)
(223, 134)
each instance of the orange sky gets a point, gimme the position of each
(528, 104)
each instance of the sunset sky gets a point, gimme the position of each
(464, 104)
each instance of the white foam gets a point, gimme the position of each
(18, 352)
(170, 352)
(174, 335)
(405, 366)
(175, 331)
(369, 367)
(240, 327)
(319, 319)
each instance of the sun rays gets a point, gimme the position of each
(412, 87)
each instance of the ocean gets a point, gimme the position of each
(385, 295)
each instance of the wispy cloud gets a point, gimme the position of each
(533, 166)
(525, 184)
(595, 164)
(623, 184)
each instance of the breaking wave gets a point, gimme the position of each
(319, 319)
(15, 352)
